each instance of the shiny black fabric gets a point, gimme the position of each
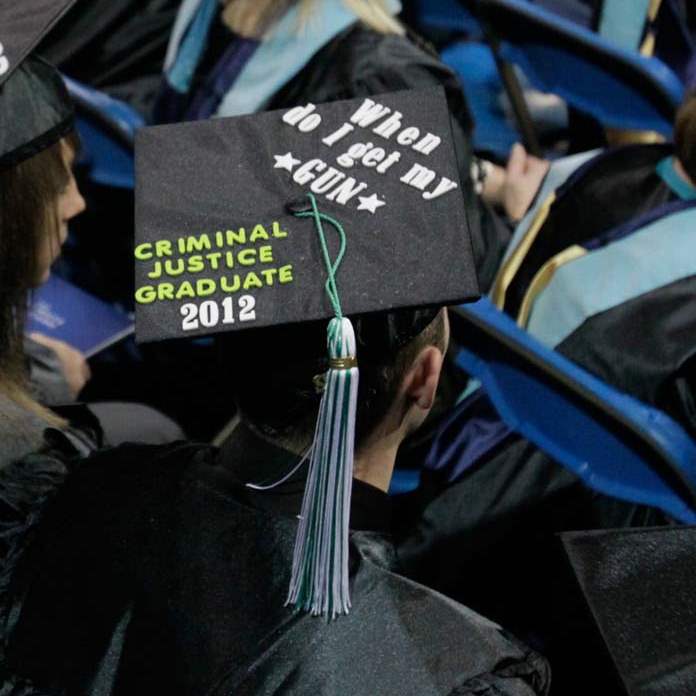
(489, 540)
(22, 26)
(640, 587)
(35, 111)
(26, 486)
(157, 571)
(645, 347)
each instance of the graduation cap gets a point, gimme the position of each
(639, 585)
(35, 109)
(351, 208)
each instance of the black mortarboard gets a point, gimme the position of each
(35, 109)
(287, 217)
(639, 585)
(214, 214)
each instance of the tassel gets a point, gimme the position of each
(320, 583)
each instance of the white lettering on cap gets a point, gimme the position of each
(4, 62)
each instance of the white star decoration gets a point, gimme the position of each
(4, 61)
(370, 203)
(285, 161)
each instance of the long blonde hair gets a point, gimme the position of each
(27, 194)
(253, 18)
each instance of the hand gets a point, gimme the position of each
(523, 176)
(73, 363)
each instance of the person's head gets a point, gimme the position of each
(685, 135)
(38, 197)
(277, 376)
(254, 18)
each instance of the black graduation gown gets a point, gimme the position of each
(156, 571)
(489, 540)
(643, 346)
(117, 46)
(617, 186)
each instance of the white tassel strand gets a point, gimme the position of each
(320, 583)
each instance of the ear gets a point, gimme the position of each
(420, 383)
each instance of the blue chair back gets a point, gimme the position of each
(616, 444)
(618, 87)
(475, 65)
(107, 130)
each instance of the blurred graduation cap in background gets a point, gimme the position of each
(35, 110)
(351, 208)
(641, 589)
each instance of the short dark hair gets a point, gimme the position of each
(27, 191)
(685, 135)
(276, 390)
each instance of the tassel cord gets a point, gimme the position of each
(331, 268)
(290, 474)
(320, 580)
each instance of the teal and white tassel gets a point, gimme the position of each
(320, 582)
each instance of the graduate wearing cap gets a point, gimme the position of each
(39, 197)
(319, 244)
